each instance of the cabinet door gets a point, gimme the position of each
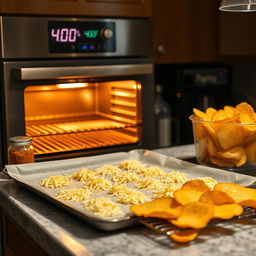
(185, 30)
(237, 35)
(16, 241)
(106, 8)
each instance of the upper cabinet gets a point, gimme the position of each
(236, 34)
(185, 30)
(104, 8)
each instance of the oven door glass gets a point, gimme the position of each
(77, 116)
(73, 108)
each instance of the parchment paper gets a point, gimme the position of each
(29, 175)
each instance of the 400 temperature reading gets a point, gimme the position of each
(65, 34)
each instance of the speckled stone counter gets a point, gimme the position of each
(60, 233)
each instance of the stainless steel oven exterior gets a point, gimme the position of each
(27, 38)
(26, 61)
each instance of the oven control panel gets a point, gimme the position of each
(81, 36)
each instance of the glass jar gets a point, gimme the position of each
(20, 150)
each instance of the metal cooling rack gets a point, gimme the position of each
(166, 228)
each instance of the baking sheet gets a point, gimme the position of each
(29, 175)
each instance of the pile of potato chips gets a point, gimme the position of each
(225, 137)
(195, 205)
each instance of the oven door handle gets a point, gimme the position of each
(43, 73)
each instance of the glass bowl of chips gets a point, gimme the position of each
(226, 138)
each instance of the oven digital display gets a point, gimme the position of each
(76, 36)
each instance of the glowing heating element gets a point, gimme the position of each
(72, 85)
(77, 116)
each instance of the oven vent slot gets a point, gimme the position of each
(124, 102)
(124, 94)
(124, 112)
(80, 141)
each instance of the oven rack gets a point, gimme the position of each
(80, 140)
(41, 128)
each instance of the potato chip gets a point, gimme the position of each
(221, 162)
(166, 208)
(250, 203)
(185, 196)
(250, 151)
(224, 205)
(199, 113)
(202, 149)
(236, 155)
(216, 197)
(209, 114)
(229, 136)
(242, 161)
(220, 115)
(227, 211)
(239, 193)
(244, 107)
(233, 153)
(211, 131)
(194, 215)
(191, 191)
(200, 131)
(196, 184)
(229, 111)
(211, 148)
(185, 236)
(246, 118)
(251, 137)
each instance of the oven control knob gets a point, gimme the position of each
(107, 33)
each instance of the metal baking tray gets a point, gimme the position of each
(29, 176)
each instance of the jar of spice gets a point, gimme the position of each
(20, 150)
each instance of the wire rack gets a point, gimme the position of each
(164, 227)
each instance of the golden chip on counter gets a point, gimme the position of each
(193, 209)
(185, 236)
(225, 137)
(165, 208)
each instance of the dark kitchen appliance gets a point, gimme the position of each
(77, 86)
(188, 86)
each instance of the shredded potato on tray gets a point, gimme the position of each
(56, 181)
(103, 206)
(74, 194)
(127, 195)
(83, 174)
(131, 165)
(130, 182)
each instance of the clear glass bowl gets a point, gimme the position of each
(225, 145)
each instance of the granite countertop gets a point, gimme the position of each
(60, 233)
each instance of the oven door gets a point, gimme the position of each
(82, 107)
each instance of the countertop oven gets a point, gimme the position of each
(78, 86)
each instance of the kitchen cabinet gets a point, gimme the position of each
(15, 241)
(105, 8)
(236, 34)
(185, 30)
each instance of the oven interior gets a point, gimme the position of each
(79, 116)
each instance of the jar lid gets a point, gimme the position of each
(20, 141)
